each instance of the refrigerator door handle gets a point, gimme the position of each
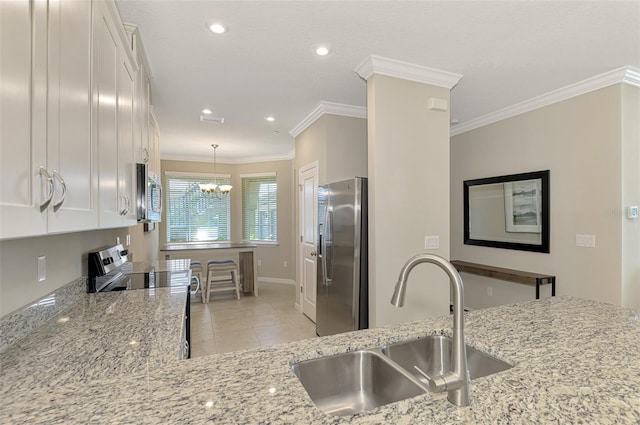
(328, 229)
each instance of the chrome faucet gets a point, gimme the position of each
(455, 381)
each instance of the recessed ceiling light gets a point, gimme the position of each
(269, 118)
(322, 51)
(217, 28)
(207, 111)
(276, 132)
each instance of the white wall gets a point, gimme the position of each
(408, 155)
(579, 140)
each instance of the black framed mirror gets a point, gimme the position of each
(510, 212)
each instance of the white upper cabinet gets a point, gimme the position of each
(25, 187)
(67, 152)
(70, 147)
(48, 162)
(143, 136)
(113, 95)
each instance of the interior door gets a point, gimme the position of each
(308, 180)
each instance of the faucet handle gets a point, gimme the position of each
(437, 384)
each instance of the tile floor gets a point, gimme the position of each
(228, 324)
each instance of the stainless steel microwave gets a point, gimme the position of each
(149, 195)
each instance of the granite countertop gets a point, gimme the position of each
(575, 361)
(125, 333)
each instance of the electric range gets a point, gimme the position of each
(110, 270)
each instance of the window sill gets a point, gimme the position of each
(262, 243)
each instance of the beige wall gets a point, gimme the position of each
(579, 140)
(345, 149)
(630, 195)
(271, 257)
(339, 145)
(408, 155)
(144, 245)
(66, 261)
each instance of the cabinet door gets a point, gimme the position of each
(70, 146)
(142, 113)
(105, 56)
(154, 136)
(22, 142)
(126, 151)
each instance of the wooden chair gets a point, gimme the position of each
(222, 276)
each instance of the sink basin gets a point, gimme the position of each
(349, 383)
(433, 355)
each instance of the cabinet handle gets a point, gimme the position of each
(125, 210)
(57, 175)
(146, 155)
(46, 203)
(128, 203)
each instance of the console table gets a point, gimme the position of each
(247, 263)
(516, 276)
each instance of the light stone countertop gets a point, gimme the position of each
(124, 333)
(575, 361)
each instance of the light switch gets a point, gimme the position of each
(586, 241)
(431, 242)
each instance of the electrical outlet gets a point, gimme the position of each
(489, 291)
(42, 269)
(259, 263)
(284, 264)
(632, 212)
(128, 239)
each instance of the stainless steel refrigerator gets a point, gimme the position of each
(342, 302)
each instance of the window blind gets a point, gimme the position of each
(260, 208)
(195, 216)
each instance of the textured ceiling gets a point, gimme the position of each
(507, 52)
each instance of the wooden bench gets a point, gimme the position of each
(516, 276)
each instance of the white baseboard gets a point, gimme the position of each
(276, 280)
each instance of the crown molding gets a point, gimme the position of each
(244, 160)
(137, 46)
(407, 71)
(626, 74)
(632, 76)
(328, 108)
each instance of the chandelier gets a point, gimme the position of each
(213, 189)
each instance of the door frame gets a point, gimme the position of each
(308, 167)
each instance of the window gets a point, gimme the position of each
(193, 216)
(259, 207)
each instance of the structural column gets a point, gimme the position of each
(408, 169)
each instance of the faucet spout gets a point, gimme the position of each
(456, 381)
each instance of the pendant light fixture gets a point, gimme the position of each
(213, 189)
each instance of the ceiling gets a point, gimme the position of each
(507, 52)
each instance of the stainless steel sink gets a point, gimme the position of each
(349, 383)
(433, 355)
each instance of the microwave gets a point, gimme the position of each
(149, 195)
